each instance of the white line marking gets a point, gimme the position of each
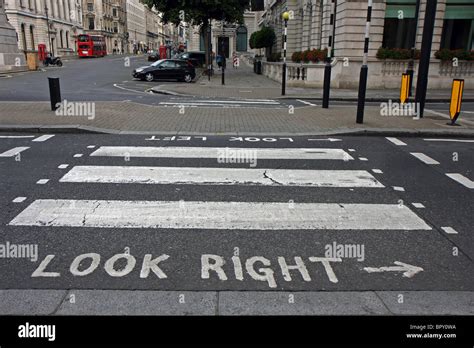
(351, 150)
(378, 171)
(418, 205)
(461, 179)
(13, 152)
(306, 102)
(42, 181)
(363, 159)
(129, 90)
(43, 138)
(328, 139)
(409, 271)
(218, 215)
(446, 116)
(19, 199)
(398, 188)
(395, 141)
(16, 136)
(449, 230)
(215, 152)
(452, 140)
(63, 166)
(268, 102)
(78, 155)
(220, 176)
(91, 147)
(424, 158)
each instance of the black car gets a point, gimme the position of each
(197, 58)
(167, 69)
(153, 56)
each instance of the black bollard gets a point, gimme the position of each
(54, 92)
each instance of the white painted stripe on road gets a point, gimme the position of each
(377, 171)
(42, 181)
(19, 199)
(424, 158)
(363, 159)
(220, 176)
(449, 230)
(13, 152)
(306, 102)
(218, 215)
(63, 166)
(418, 205)
(461, 179)
(78, 155)
(395, 141)
(16, 136)
(446, 116)
(43, 138)
(399, 188)
(452, 140)
(222, 152)
(269, 102)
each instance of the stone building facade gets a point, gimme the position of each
(136, 25)
(107, 18)
(28, 17)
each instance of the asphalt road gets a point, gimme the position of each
(391, 226)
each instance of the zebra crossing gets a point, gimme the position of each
(196, 213)
(18, 150)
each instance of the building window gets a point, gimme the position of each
(91, 23)
(202, 39)
(114, 12)
(458, 25)
(400, 24)
(242, 39)
(115, 28)
(90, 7)
(23, 37)
(67, 39)
(32, 37)
(61, 38)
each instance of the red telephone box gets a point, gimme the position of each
(41, 52)
(163, 54)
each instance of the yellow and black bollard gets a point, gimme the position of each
(405, 88)
(456, 100)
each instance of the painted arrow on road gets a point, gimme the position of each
(409, 270)
(328, 139)
(451, 140)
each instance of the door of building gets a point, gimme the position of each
(223, 45)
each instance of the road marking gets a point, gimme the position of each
(268, 102)
(306, 102)
(328, 139)
(215, 152)
(43, 138)
(461, 179)
(446, 116)
(424, 158)
(129, 90)
(363, 159)
(418, 205)
(63, 166)
(398, 188)
(42, 181)
(449, 230)
(408, 270)
(19, 199)
(13, 152)
(16, 136)
(377, 171)
(395, 141)
(351, 150)
(91, 147)
(78, 155)
(220, 176)
(218, 215)
(452, 140)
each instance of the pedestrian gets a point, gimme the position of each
(219, 60)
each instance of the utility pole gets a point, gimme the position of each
(223, 57)
(47, 28)
(411, 63)
(423, 70)
(364, 69)
(286, 17)
(209, 49)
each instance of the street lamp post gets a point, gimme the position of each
(328, 67)
(47, 28)
(286, 17)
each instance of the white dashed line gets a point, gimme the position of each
(13, 152)
(363, 159)
(16, 136)
(418, 205)
(63, 166)
(423, 158)
(19, 199)
(91, 147)
(43, 138)
(396, 141)
(351, 150)
(305, 102)
(42, 181)
(398, 188)
(461, 179)
(378, 171)
(449, 230)
(77, 155)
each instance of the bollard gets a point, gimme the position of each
(54, 92)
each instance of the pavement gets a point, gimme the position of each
(222, 237)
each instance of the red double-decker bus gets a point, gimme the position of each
(91, 45)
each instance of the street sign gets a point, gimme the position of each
(456, 100)
(405, 88)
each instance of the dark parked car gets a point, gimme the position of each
(167, 69)
(197, 58)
